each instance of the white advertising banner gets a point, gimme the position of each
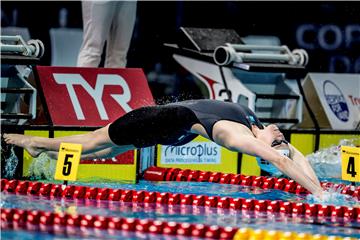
(191, 153)
(339, 95)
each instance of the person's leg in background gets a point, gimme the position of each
(121, 33)
(97, 19)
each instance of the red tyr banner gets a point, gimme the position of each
(92, 96)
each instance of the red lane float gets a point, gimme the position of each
(176, 174)
(291, 209)
(63, 222)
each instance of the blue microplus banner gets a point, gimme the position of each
(192, 153)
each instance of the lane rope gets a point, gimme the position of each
(176, 174)
(12, 218)
(290, 209)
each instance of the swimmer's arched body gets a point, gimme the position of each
(230, 125)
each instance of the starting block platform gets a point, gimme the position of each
(264, 78)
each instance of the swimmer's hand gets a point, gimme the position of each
(332, 198)
(320, 195)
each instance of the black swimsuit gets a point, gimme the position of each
(170, 124)
(208, 112)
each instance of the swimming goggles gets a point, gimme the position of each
(278, 142)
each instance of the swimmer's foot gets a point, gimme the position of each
(23, 141)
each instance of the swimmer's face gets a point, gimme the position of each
(269, 134)
(274, 131)
(280, 144)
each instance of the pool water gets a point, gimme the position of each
(190, 214)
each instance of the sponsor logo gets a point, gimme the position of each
(192, 153)
(251, 119)
(70, 150)
(337, 43)
(336, 100)
(210, 85)
(92, 96)
(96, 93)
(354, 100)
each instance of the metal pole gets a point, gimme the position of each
(243, 47)
(263, 57)
(17, 48)
(224, 55)
(16, 38)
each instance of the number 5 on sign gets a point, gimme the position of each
(350, 162)
(68, 161)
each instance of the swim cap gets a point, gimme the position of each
(269, 167)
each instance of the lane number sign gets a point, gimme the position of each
(68, 161)
(350, 163)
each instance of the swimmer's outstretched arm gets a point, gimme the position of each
(233, 137)
(255, 147)
(299, 158)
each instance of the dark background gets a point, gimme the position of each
(159, 22)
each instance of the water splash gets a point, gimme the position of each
(327, 162)
(334, 198)
(11, 163)
(42, 167)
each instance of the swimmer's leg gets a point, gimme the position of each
(91, 142)
(105, 153)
